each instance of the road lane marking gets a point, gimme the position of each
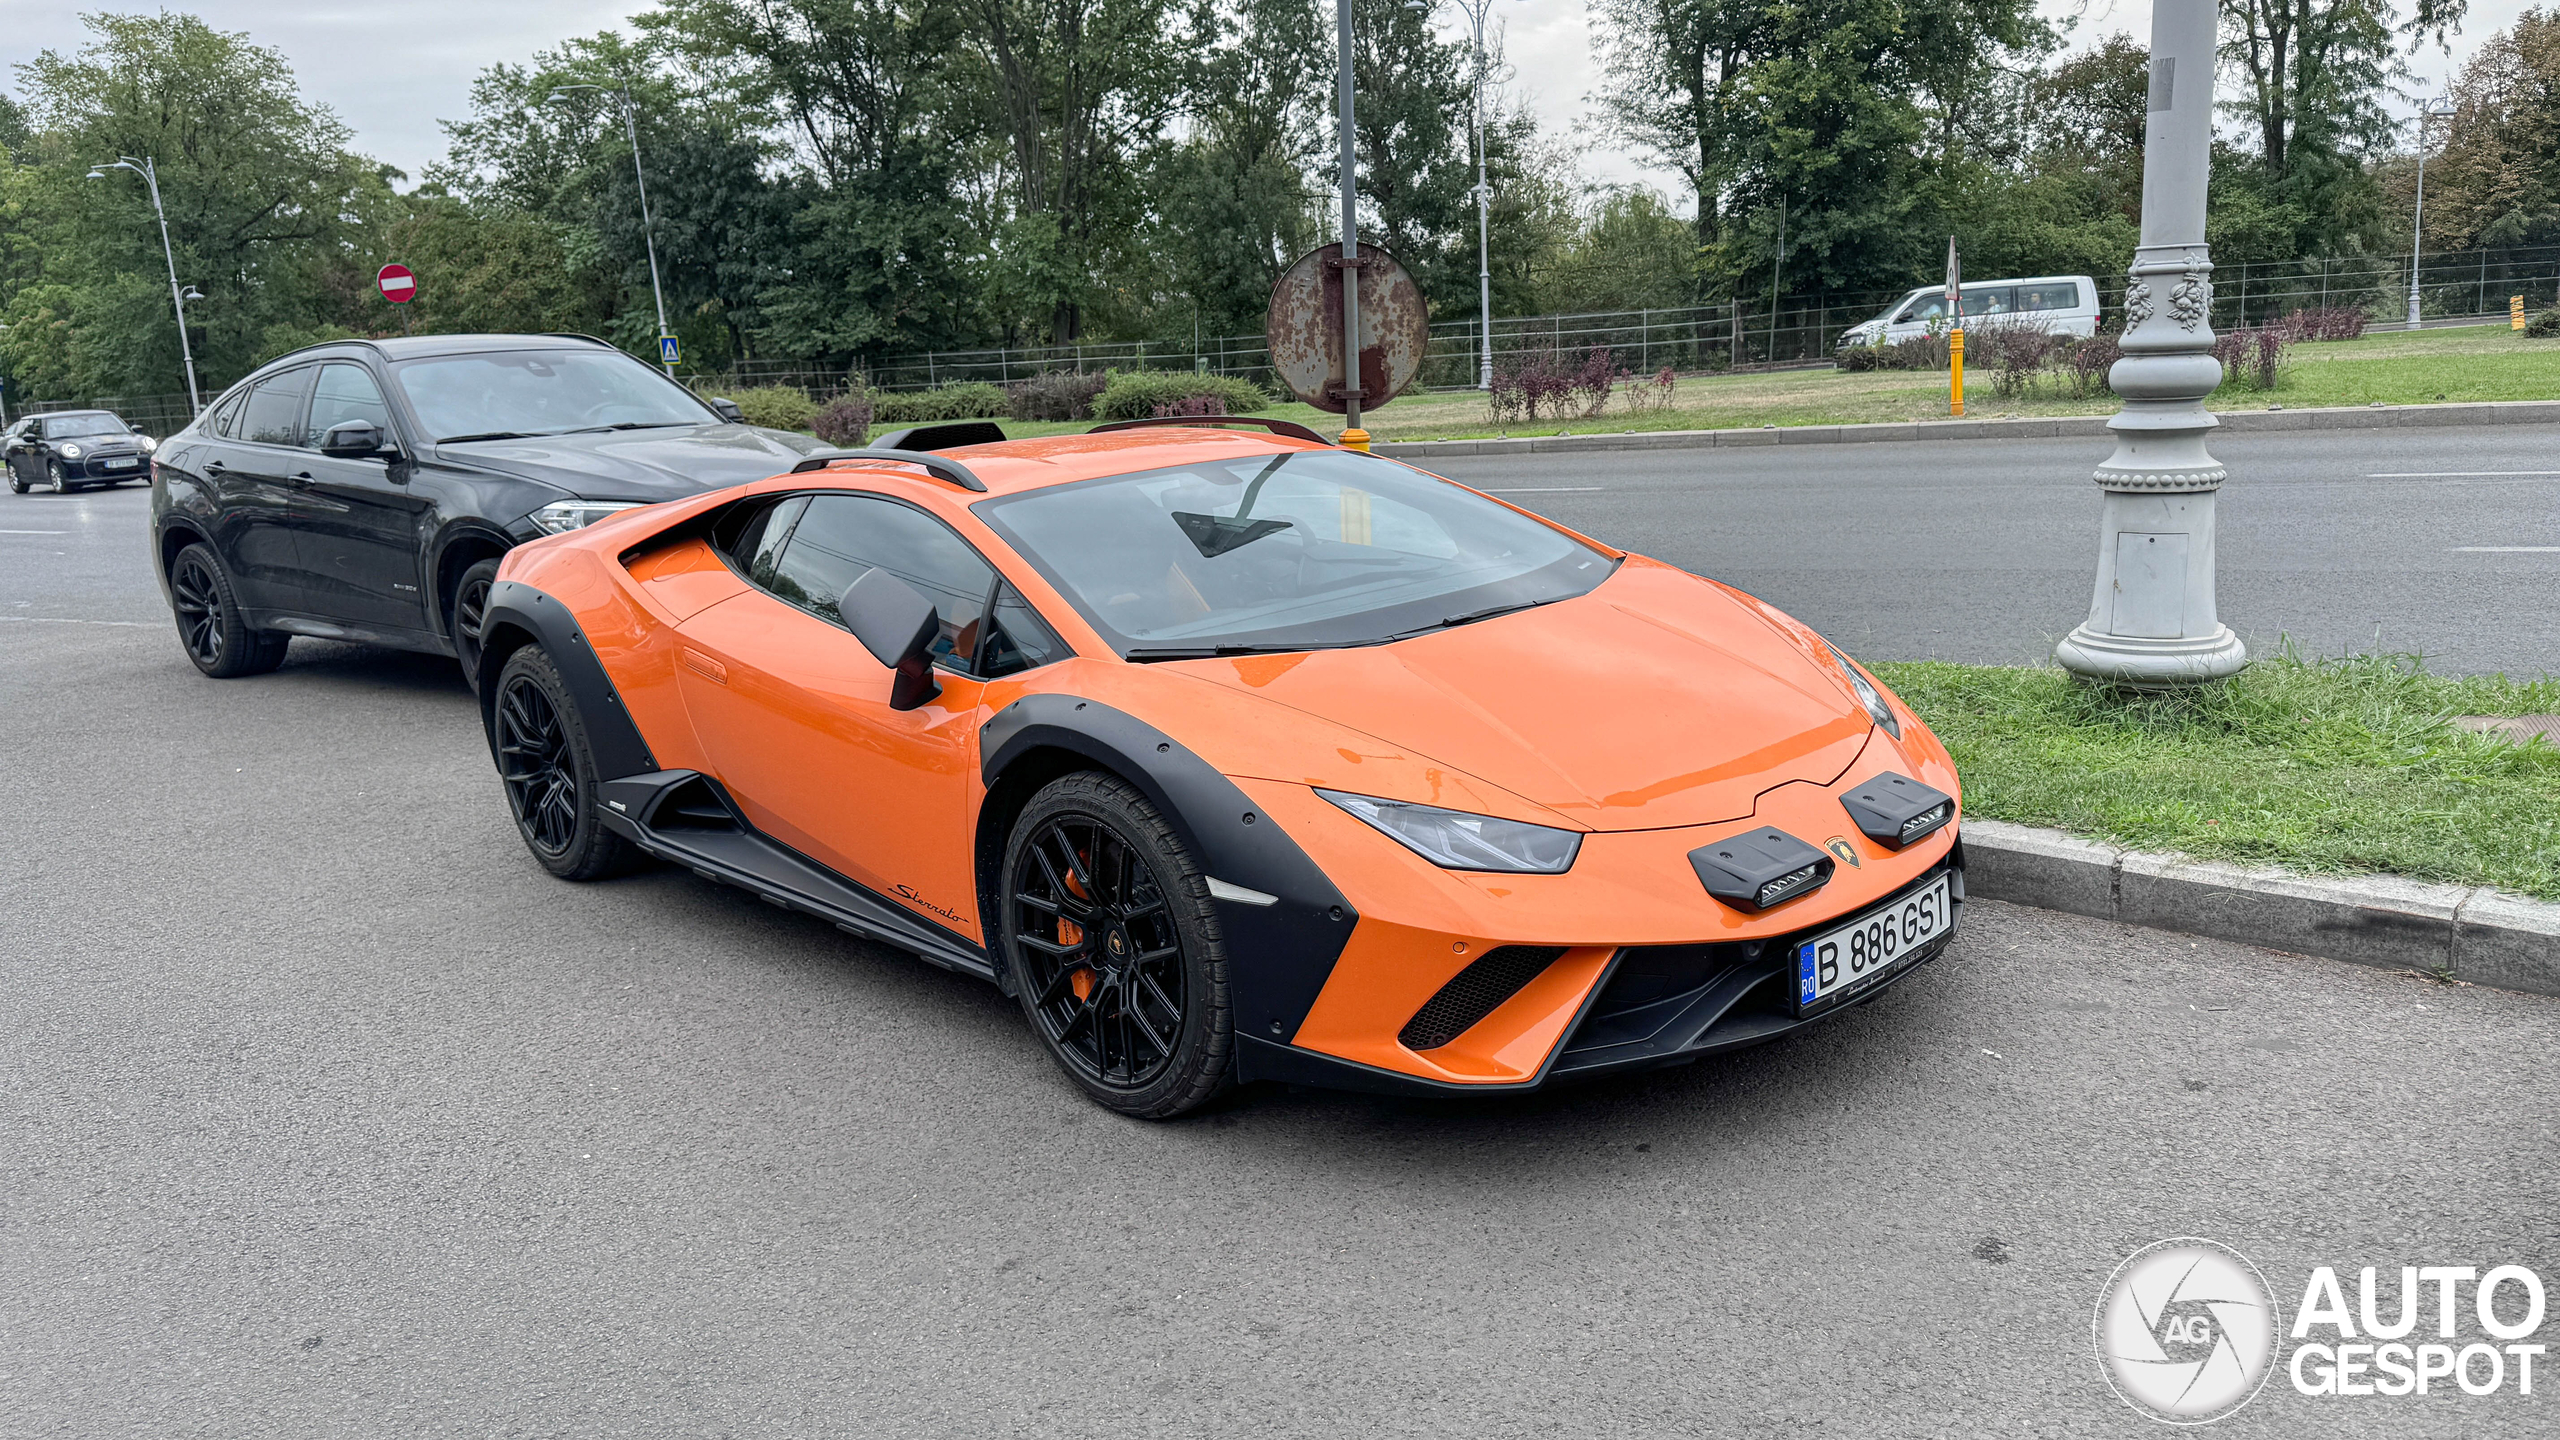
(1550, 490)
(2506, 549)
(2457, 474)
(70, 620)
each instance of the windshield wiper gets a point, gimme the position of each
(1145, 655)
(1471, 617)
(493, 435)
(627, 425)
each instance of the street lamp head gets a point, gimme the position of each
(97, 174)
(191, 293)
(2440, 105)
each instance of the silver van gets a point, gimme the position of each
(2063, 304)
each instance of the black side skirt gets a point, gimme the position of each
(685, 818)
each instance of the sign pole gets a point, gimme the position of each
(1353, 437)
(1955, 330)
(2152, 622)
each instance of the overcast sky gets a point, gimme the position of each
(392, 68)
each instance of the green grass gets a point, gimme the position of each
(2335, 765)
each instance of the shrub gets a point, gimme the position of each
(779, 407)
(966, 400)
(2250, 357)
(2085, 365)
(1056, 395)
(1650, 393)
(1859, 357)
(1135, 394)
(1201, 405)
(845, 421)
(1544, 384)
(2014, 354)
(1920, 352)
(2332, 322)
(2544, 325)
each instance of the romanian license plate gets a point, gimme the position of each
(124, 464)
(1839, 963)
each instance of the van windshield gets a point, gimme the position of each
(1303, 550)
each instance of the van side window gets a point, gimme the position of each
(2058, 295)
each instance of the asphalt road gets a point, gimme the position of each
(2343, 541)
(323, 1111)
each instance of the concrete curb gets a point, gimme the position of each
(2359, 417)
(2487, 937)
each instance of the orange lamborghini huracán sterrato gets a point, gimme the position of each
(1233, 755)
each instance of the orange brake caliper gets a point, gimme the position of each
(1082, 979)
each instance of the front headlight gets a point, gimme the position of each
(562, 516)
(1868, 694)
(70, 451)
(149, 445)
(1456, 840)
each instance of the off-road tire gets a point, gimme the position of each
(1194, 1060)
(548, 765)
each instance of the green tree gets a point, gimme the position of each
(2498, 180)
(265, 202)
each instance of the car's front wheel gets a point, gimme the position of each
(53, 474)
(209, 625)
(549, 767)
(469, 619)
(1115, 948)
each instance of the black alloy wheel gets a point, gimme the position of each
(549, 770)
(471, 617)
(1116, 950)
(210, 629)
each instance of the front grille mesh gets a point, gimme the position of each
(1476, 992)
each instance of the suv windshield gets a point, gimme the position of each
(73, 426)
(507, 394)
(1305, 550)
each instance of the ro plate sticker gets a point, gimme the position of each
(1806, 987)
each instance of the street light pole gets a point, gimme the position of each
(648, 231)
(1477, 10)
(2152, 622)
(150, 174)
(2442, 105)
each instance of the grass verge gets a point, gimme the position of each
(2328, 765)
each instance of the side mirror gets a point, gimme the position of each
(729, 411)
(898, 626)
(352, 440)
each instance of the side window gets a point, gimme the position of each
(840, 537)
(1017, 638)
(1990, 299)
(226, 420)
(2062, 296)
(273, 415)
(345, 392)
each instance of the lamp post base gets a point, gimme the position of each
(2143, 664)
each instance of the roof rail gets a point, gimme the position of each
(1290, 428)
(939, 467)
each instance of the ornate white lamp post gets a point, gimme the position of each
(2152, 622)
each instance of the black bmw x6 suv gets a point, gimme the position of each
(364, 490)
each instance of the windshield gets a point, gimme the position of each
(513, 393)
(1306, 550)
(72, 426)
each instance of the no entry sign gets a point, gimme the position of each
(398, 285)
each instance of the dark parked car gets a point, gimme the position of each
(363, 490)
(69, 450)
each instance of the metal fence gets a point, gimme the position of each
(159, 416)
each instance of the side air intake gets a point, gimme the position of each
(692, 805)
(1476, 992)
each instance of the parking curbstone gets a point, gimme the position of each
(2475, 934)
(2345, 417)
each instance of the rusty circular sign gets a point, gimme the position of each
(1305, 328)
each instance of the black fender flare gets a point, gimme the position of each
(1280, 954)
(619, 749)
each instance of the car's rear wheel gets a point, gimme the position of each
(549, 767)
(17, 479)
(470, 617)
(209, 625)
(1115, 948)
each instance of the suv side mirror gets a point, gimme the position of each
(898, 626)
(352, 440)
(729, 411)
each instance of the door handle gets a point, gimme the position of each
(301, 474)
(216, 467)
(703, 665)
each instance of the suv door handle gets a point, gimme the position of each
(215, 467)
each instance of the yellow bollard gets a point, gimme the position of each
(1955, 372)
(1356, 440)
(2515, 312)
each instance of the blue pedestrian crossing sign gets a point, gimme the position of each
(666, 349)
